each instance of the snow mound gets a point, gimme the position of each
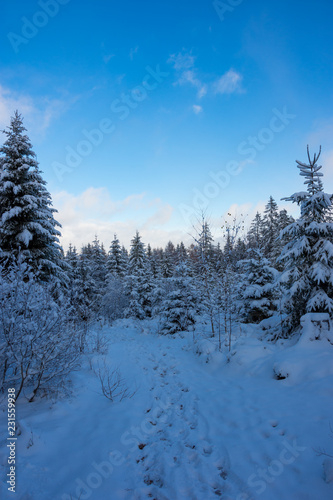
(205, 348)
(311, 357)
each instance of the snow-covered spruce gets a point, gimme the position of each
(257, 288)
(139, 283)
(27, 226)
(117, 259)
(181, 304)
(271, 230)
(308, 252)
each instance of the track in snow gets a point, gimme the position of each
(176, 458)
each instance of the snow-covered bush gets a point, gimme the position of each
(37, 346)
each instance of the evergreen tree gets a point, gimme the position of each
(149, 251)
(98, 265)
(27, 225)
(181, 303)
(137, 257)
(240, 250)
(125, 257)
(116, 263)
(168, 260)
(114, 300)
(270, 230)
(139, 285)
(181, 253)
(256, 288)
(255, 234)
(154, 263)
(133, 291)
(84, 289)
(205, 273)
(205, 243)
(284, 219)
(308, 250)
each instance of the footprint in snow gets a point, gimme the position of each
(207, 449)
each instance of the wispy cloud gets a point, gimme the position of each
(132, 52)
(183, 60)
(38, 113)
(10, 102)
(197, 109)
(107, 58)
(159, 218)
(183, 63)
(229, 83)
(187, 74)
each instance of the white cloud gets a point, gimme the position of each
(184, 65)
(95, 212)
(10, 102)
(37, 113)
(189, 76)
(159, 218)
(197, 109)
(181, 61)
(229, 83)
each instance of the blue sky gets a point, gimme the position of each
(168, 108)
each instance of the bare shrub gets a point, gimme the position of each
(113, 385)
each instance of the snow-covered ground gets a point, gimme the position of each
(192, 430)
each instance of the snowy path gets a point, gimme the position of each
(192, 431)
(178, 459)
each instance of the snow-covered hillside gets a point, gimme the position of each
(198, 426)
